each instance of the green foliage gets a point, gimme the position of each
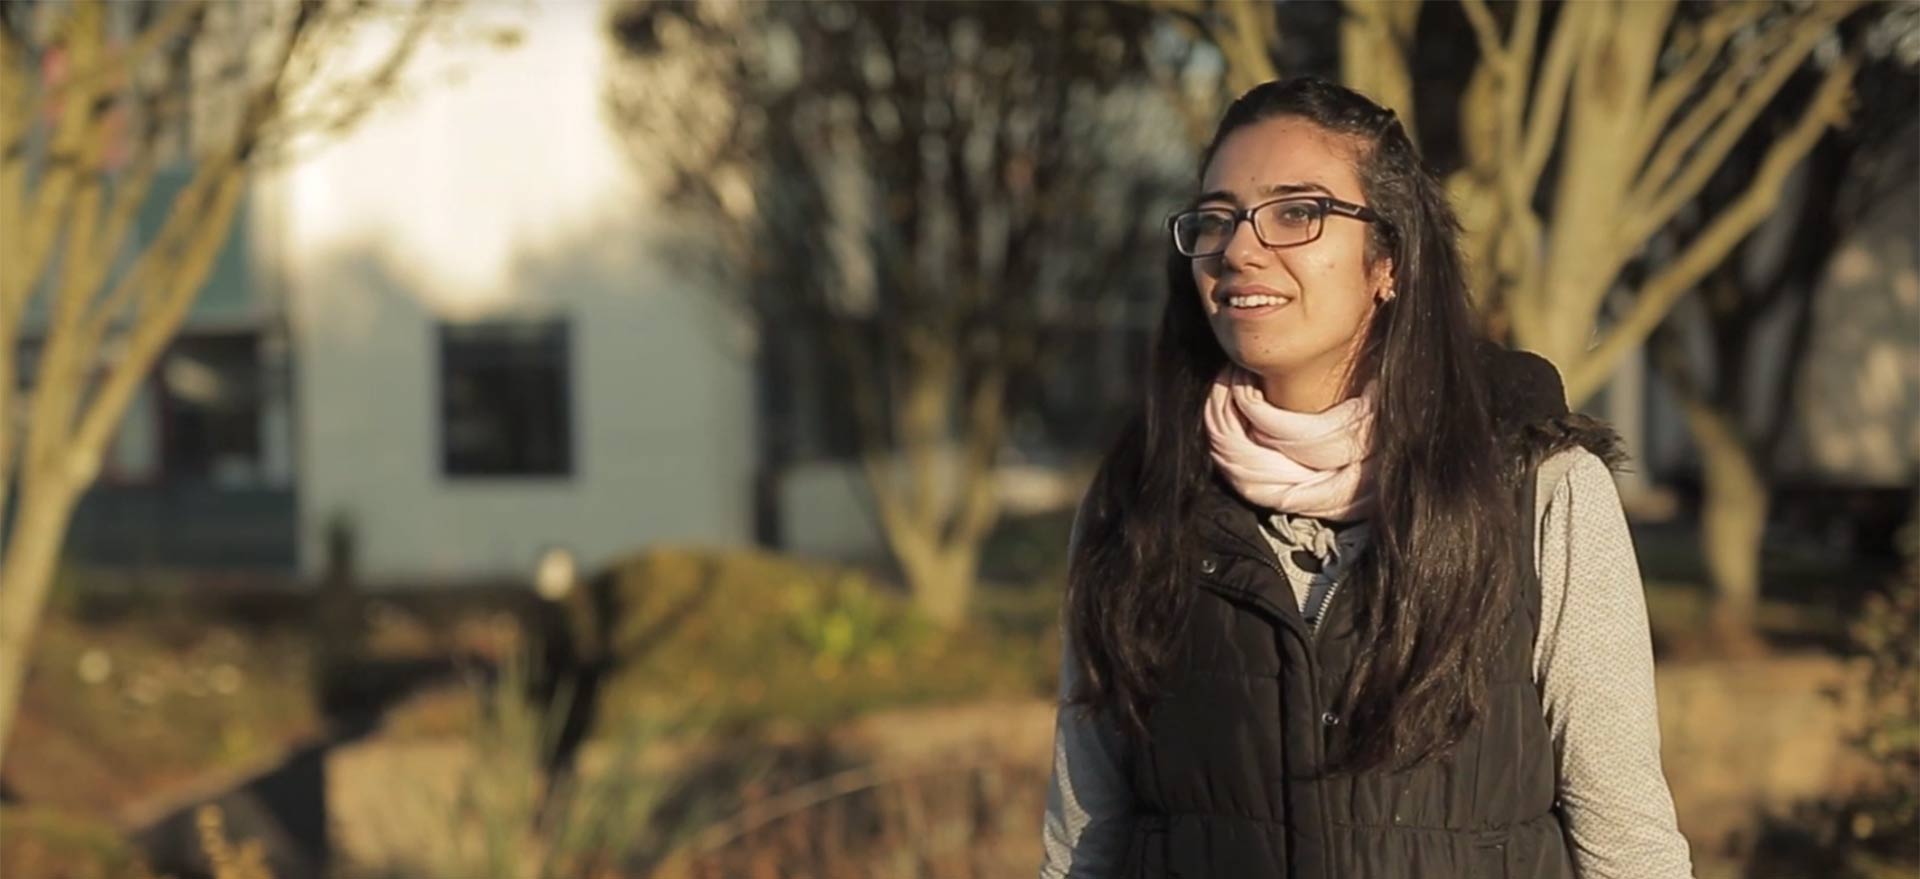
(745, 638)
(1873, 833)
(125, 704)
(1888, 632)
(845, 623)
(54, 844)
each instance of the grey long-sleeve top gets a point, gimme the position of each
(1592, 661)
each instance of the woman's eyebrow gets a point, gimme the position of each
(1267, 190)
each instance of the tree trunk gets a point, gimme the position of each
(933, 489)
(26, 576)
(938, 553)
(942, 581)
(1733, 520)
(59, 463)
(1374, 38)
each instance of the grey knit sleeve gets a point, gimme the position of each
(1593, 662)
(1089, 805)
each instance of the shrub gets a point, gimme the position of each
(745, 638)
(1875, 832)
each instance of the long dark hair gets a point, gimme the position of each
(1431, 595)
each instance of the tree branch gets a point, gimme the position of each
(1550, 95)
(1486, 33)
(158, 326)
(1676, 142)
(955, 181)
(85, 83)
(1248, 43)
(1674, 194)
(93, 244)
(1656, 298)
(66, 206)
(64, 365)
(1375, 38)
(986, 420)
(13, 175)
(352, 103)
(1707, 38)
(133, 192)
(1520, 47)
(221, 181)
(65, 164)
(1516, 189)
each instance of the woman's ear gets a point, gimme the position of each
(1380, 278)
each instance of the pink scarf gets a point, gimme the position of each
(1308, 464)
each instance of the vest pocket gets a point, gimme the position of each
(1147, 852)
(1537, 850)
(1494, 857)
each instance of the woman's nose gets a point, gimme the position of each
(1244, 246)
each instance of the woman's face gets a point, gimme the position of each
(1327, 291)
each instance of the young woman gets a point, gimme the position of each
(1353, 595)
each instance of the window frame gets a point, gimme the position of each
(446, 337)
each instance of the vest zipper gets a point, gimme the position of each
(1274, 566)
(1310, 646)
(1308, 642)
(1326, 607)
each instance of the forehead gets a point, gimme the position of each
(1283, 151)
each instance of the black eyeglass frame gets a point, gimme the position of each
(1328, 206)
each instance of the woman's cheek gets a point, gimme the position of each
(1203, 282)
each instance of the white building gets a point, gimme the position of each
(490, 360)
(450, 331)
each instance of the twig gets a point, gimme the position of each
(807, 796)
(1657, 296)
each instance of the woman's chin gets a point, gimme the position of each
(1265, 355)
(1266, 366)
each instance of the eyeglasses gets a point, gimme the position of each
(1284, 222)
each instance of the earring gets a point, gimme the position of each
(1388, 296)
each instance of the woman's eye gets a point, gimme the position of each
(1298, 214)
(1211, 224)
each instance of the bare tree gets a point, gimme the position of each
(1577, 154)
(919, 196)
(1652, 107)
(95, 99)
(1738, 408)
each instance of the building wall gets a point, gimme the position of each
(1856, 416)
(1858, 420)
(501, 194)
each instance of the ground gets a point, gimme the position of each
(783, 673)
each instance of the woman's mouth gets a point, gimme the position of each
(1251, 302)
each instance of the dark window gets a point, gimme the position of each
(505, 402)
(1073, 404)
(211, 409)
(807, 392)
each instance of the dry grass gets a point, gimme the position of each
(929, 822)
(749, 639)
(117, 711)
(45, 843)
(245, 860)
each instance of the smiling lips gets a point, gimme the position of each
(1247, 298)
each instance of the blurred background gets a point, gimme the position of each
(488, 439)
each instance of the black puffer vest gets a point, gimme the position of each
(1230, 782)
